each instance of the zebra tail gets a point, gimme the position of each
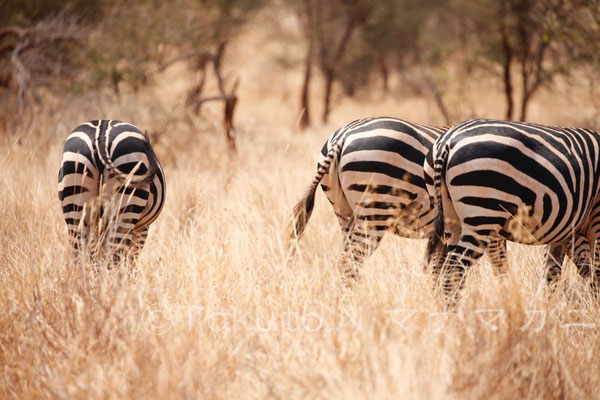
(435, 240)
(303, 209)
(131, 178)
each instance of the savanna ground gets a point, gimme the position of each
(216, 309)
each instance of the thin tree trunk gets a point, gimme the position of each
(385, 76)
(525, 59)
(525, 85)
(328, 66)
(439, 100)
(329, 76)
(524, 105)
(305, 96)
(508, 90)
(506, 67)
(530, 87)
(230, 103)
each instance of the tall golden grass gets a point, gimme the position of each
(216, 309)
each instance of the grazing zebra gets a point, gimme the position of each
(371, 170)
(528, 183)
(111, 188)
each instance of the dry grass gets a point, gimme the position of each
(216, 309)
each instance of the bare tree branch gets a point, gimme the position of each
(195, 100)
(12, 30)
(34, 51)
(202, 54)
(439, 99)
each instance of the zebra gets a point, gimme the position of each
(111, 187)
(371, 171)
(523, 182)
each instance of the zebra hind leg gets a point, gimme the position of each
(435, 258)
(497, 255)
(128, 255)
(553, 255)
(139, 240)
(360, 242)
(459, 259)
(445, 238)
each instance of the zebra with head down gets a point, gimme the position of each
(111, 188)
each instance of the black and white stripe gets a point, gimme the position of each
(111, 187)
(371, 170)
(523, 182)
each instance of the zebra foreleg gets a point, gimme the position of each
(588, 256)
(581, 255)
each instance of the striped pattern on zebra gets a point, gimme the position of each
(528, 183)
(111, 188)
(371, 171)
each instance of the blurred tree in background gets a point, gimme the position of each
(352, 40)
(532, 41)
(404, 35)
(109, 42)
(525, 43)
(328, 28)
(350, 45)
(134, 41)
(37, 40)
